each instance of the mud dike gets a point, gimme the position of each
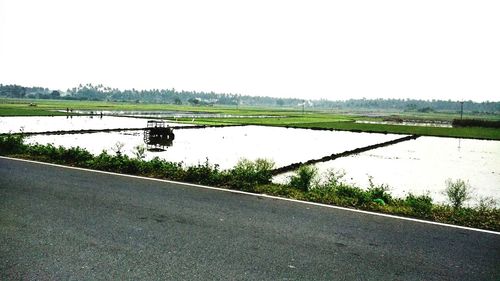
(334, 156)
(69, 132)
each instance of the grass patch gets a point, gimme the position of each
(476, 123)
(469, 132)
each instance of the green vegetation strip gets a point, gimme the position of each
(282, 117)
(256, 177)
(469, 132)
(33, 107)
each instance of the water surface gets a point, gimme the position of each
(68, 123)
(423, 165)
(416, 166)
(225, 146)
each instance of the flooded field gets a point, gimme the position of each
(423, 165)
(68, 123)
(225, 146)
(416, 166)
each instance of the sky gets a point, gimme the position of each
(303, 49)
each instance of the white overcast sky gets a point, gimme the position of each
(307, 49)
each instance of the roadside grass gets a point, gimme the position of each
(255, 176)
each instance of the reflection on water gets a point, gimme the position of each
(158, 136)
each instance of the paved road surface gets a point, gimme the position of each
(66, 224)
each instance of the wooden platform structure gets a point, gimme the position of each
(158, 136)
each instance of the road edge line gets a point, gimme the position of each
(259, 195)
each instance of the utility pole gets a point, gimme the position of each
(461, 109)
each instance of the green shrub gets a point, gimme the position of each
(248, 174)
(75, 155)
(380, 192)
(163, 169)
(263, 170)
(204, 174)
(36, 150)
(421, 205)
(173, 171)
(471, 217)
(105, 162)
(458, 192)
(140, 151)
(304, 177)
(12, 144)
(486, 204)
(117, 148)
(326, 191)
(352, 195)
(129, 165)
(332, 180)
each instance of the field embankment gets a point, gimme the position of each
(334, 156)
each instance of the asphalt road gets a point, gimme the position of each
(66, 224)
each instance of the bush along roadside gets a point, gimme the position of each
(255, 176)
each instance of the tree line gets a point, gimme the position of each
(173, 96)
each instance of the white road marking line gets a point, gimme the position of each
(261, 195)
